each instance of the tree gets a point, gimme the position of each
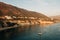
(1, 13)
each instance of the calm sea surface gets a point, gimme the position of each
(35, 32)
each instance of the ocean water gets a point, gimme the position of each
(35, 32)
(51, 32)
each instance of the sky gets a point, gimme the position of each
(46, 7)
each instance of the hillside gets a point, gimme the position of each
(56, 18)
(7, 9)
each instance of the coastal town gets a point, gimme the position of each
(11, 16)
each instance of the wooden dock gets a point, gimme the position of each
(5, 28)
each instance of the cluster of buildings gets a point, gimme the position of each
(25, 20)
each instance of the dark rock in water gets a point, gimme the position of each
(1, 23)
(10, 24)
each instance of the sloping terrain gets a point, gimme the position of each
(56, 18)
(6, 9)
